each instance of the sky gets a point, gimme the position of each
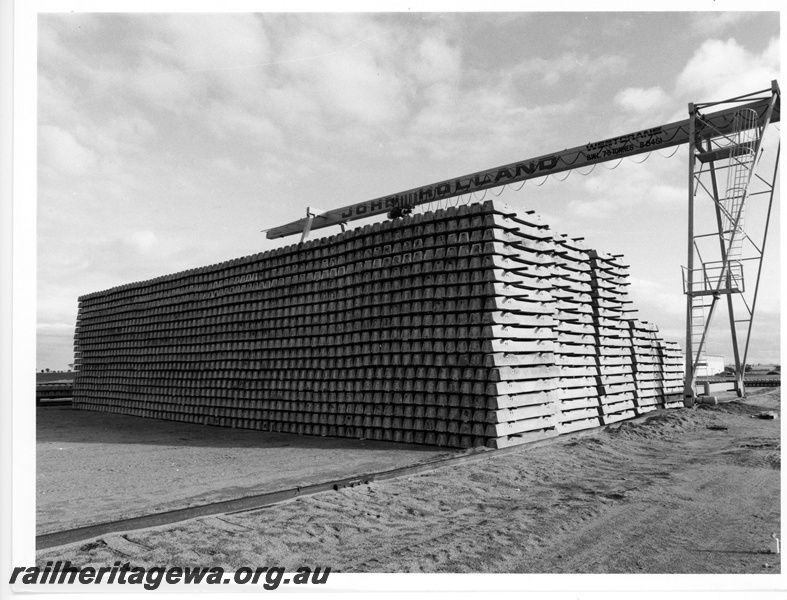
(170, 141)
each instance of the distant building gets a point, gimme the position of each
(710, 365)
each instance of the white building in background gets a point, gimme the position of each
(710, 365)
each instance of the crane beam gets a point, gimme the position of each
(646, 140)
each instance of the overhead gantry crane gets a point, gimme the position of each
(725, 151)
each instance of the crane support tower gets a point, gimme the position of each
(725, 151)
(731, 193)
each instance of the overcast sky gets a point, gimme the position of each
(169, 141)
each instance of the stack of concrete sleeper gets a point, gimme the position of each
(473, 325)
(576, 347)
(610, 320)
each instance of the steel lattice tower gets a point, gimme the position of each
(730, 205)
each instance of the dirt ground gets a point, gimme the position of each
(94, 467)
(686, 491)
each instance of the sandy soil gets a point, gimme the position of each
(687, 491)
(94, 467)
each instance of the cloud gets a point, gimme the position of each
(641, 100)
(229, 120)
(143, 240)
(162, 87)
(657, 297)
(493, 123)
(707, 22)
(552, 70)
(656, 302)
(437, 61)
(226, 166)
(174, 63)
(61, 151)
(210, 58)
(724, 69)
(628, 189)
(219, 42)
(348, 65)
(125, 256)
